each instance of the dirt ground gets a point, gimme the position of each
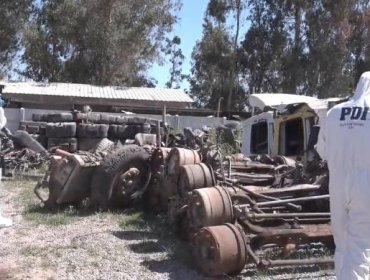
(75, 244)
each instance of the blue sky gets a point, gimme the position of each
(189, 29)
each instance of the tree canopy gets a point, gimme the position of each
(317, 47)
(97, 41)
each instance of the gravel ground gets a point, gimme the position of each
(72, 245)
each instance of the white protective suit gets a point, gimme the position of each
(344, 141)
(4, 222)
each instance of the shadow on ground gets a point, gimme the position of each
(134, 234)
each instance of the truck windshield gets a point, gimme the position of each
(292, 137)
(259, 138)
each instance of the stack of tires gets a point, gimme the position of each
(37, 130)
(90, 134)
(81, 131)
(61, 132)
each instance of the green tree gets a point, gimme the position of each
(97, 41)
(263, 47)
(214, 72)
(328, 65)
(176, 61)
(317, 47)
(13, 15)
(359, 39)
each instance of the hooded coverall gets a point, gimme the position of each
(4, 222)
(344, 141)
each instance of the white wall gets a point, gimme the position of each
(14, 116)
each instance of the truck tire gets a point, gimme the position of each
(60, 117)
(39, 117)
(66, 144)
(92, 131)
(131, 131)
(108, 190)
(122, 132)
(136, 120)
(103, 147)
(95, 145)
(93, 118)
(104, 119)
(79, 117)
(61, 130)
(33, 127)
(120, 120)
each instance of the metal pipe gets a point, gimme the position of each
(219, 106)
(278, 202)
(270, 263)
(262, 196)
(252, 254)
(229, 169)
(251, 202)
(159, 140)
(286, 215)
(164, 113)
(313, 220)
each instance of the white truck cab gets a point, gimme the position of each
(281, 124)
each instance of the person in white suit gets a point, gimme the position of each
(4, 222)
(344, 142)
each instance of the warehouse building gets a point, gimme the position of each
(67, 96)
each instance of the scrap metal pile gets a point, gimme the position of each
(242, 210)
(20, 153)
(260, 210)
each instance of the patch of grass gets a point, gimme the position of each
(24, 190)
(48, 219)
(41, 216)
(33, 251)
(166, 233)
(132, 221)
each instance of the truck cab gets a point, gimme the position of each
(281, 124)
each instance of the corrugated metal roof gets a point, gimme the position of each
(101, 92)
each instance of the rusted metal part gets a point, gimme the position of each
(179, 157)
(220, 250)
(281, 237)
(298, 199)
(194, 176)
(68, 178)
(128, 183)
(158, 192)
(63, 153)
(308, 231)
(248, 166)
(270, 198)
(297, 262)
(286, 215)
(209, 207)
(250, 178)
(295, 189)
(20, 162)
(128, 177)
